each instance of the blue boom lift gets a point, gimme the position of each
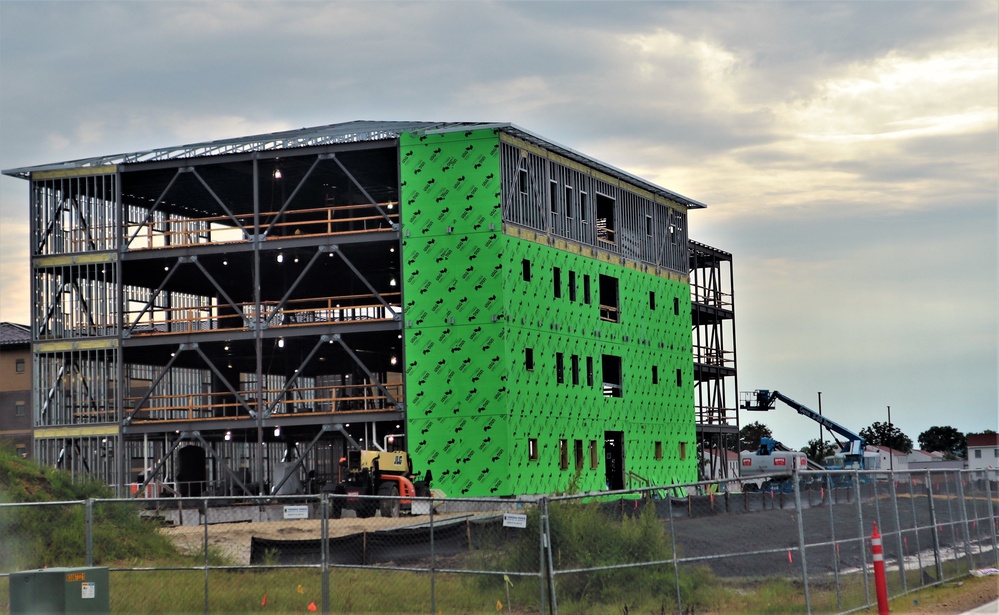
(851, 454)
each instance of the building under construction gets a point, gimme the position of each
(228, 317)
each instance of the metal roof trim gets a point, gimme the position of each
(344, 132)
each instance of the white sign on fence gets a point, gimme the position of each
(296, 512)
(515, 520)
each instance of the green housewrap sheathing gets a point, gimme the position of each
(471, 319)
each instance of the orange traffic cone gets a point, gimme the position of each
(312, 606)
(263, 601)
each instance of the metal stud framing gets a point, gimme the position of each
(555, 195)
(239, 295)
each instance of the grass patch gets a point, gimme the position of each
(55, 535)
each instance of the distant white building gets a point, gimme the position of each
(891, 459)
(932, 460)
(917, 456)
(983, 451)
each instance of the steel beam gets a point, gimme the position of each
(388, 396)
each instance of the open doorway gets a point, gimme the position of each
(614, 459)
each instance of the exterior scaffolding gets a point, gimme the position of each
(716, 391)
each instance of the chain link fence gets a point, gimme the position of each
(794, 546)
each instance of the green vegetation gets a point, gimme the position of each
(54, 535)
(586, 535)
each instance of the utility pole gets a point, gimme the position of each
(891, 452)
(820, 424)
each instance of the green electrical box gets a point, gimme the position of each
(59, 590)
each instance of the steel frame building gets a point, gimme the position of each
(227, 317)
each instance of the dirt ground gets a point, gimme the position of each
(232, 540)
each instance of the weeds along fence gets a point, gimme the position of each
(800, 546)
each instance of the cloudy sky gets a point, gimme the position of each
(847, 151)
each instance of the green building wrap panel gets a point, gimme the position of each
(456, 390)
(548, 411)
(486, 318)
(450, 181)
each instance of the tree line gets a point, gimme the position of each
(943, 439)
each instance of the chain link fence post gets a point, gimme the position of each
(542, 568)
(324, 537)
(89, 531)
(915, 522)
(898, 528)
(672, 542)
(549, 562)
(938, 565)
(860, 536)
(830, 481)
(796, 486)
(204, 546)
(433, 562)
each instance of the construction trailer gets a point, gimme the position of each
(224, 317)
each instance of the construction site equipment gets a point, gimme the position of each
(851, 450)
(773, 459)
(765, 460)
(388, 475)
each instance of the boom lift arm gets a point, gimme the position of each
(763, 399)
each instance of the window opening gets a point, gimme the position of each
(568, 201)
(608, 299)
(594, 456)
(655, 374)
(20, 408)
(553, 195)
(522, 181)
(683, 451)
(578, 450)
(557, 279)
(679, 377)
(589, 371)
(574, 362)
(648, 225)
(19, 366)
(572, 285)
(676, 306)
(612, 379)
(652, 300)
(586, 289)
(559, 368)
(605, 218)
(582, 207)
(532, 449)
(659, 450)
(563, 454)
(529, 359)
(526, 266)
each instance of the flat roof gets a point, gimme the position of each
(344, 132)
